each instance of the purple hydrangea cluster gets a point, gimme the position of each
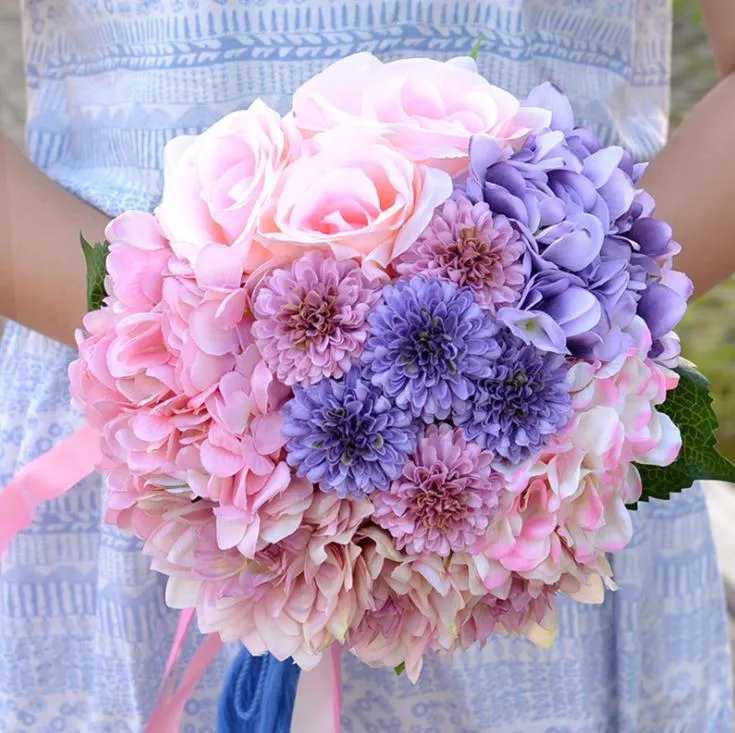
(599, 257)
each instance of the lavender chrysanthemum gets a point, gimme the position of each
(520, 404)
(311, 320)
(445, 498)
(428, 341)
(467, 245)
(346, 436)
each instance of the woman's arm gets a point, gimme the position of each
(42, 272)
(719, 15)
(693, 178)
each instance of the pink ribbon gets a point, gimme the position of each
(46, 478)
(318, 707)
(169, 711)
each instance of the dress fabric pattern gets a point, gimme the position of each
(84, 631)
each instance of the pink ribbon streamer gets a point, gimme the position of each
(169, 711)
(336, 657)
(318, 706)
(48, 477)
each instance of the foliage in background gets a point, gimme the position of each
(708, 339)
(708, 331)
(689, 6)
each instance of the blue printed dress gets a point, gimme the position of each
(84, 631)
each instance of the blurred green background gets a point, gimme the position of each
(708, 331)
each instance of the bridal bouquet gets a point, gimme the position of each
(393, 370)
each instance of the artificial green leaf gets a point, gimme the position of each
(400, 669)
(95, 256)
(475, 52)
(690, 407)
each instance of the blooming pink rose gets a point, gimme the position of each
(137, 260)
(357, 195)
(215, 185)
(428, 109)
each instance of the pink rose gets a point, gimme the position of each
(215, 185)
(356, 195)
(428, 109)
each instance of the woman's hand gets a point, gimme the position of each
(42, 271)
(693, 178)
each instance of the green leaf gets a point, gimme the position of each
(690, 407)
(95, 256)
(400, 669)
(475, 52)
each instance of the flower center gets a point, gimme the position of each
(472, 256)
(439, 499)
(351, 433)
(313, 317)
(431, 349)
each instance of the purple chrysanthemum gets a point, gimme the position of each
(444, 499)
(520, 403)
(311, 320)
(428, 341)
(467, 245)
(346, 436)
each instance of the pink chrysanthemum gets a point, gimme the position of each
(526, 603)
(298, 595)
(311, 319)
(467, 245)
(415, 607)
(445, 498)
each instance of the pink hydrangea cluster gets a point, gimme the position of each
(306, 391)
